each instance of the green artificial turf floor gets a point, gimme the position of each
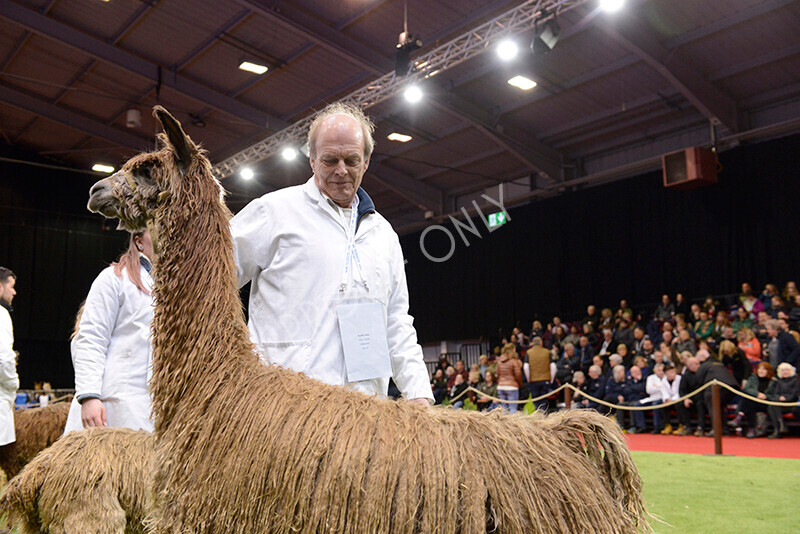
(720, 494)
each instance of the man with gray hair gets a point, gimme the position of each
(329, 296)
(782, 346)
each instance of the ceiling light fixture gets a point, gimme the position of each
(507, 50)
(246, 173)
(99, 167)
(289, 153)
(403, 138)
(255, 68)
(610, 6)
(522, 82)
(413, 94)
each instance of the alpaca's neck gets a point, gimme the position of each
(198, 327)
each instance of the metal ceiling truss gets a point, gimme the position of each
(446, 56)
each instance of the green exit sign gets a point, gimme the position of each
(496, 219)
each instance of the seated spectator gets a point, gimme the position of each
(787, 389)
(655, 395)
(639, 337)
(777, 307)
(595, 386)
(749, 344)
(736, 361)
(601, 363)
(694, 313)
(591, 317)
(710, 306)
(624, 334)
(607, 345)
(483, 364)
(443, 363)
(782, 346)
(758, 385)
(461, 371)
(794, 312)
(690, 382)
(641, 363)
(729, 334)
(585, 353)
(627, 357)
(475, 368)
(438, 386)
(719, 325)
(704, 327)
(614, 390)
(751, 304)
(574, 335)
(489, 389)
(509, 377)
(681, 306)
(613, 361)
(456, 392)
(580, 382)
(685, 342)
(790, 291)
(770, 290)
(633, 392)
(664, 311)
(743, 320)
(567, 364)
(623, 309)
(448, 374)
(671, 386)
(475, 381)
(591, 335)
(667, 336)
(537, 330)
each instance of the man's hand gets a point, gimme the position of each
(420, 401)
(93, 413)
(761, 396)
(687, 402)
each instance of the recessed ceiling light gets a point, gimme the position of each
(507, 50)
(99, 167)
(394, 136)
(610, 6)
(522, 82)
(246, 173)
(253, 67)
(289, 153)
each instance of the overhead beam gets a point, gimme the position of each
(101, 50)
(636, 35)
(421, 195)
(70, 118)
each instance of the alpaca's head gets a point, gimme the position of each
(147, 182)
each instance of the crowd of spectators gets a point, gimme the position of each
(647, 359)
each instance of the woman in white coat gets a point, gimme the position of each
(111, 349)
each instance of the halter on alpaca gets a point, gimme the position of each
(302, 456)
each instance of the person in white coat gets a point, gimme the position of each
(111, 350)
(655, 395)
(329, 294)
(9, 381)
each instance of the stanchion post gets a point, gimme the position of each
(567, 398)
(716, 418)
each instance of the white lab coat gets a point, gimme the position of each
(9, 381)
(291, 244)
(654, 388)
(111, 353)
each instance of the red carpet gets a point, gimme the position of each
(787, 447)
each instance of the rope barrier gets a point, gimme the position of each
(629, 408)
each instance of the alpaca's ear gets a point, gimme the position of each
(180, 143)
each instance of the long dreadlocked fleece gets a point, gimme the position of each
(92, 481)
(248, 448)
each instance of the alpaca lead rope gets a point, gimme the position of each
(352, 252)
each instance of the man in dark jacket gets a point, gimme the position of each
(614, 392)
(567, 364)
(595, 386)
(585, 354)
(633, 391)
(689, 383)
(709, 370)
(788, 348)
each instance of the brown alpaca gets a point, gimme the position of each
(91, 482)
(36, 429)
(302, 456)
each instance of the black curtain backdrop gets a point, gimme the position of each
(630, 239)
(56, 248)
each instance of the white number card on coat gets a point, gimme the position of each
(366, 347)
